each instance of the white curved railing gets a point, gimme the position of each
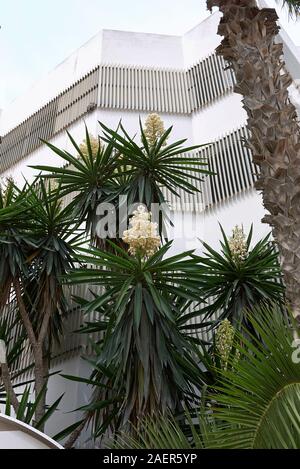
(18, 435)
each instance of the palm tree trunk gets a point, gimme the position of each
(249, 46)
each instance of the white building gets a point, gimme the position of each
(125, 75)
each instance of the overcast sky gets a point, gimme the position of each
(36, 35)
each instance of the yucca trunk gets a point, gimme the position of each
(257, 60)
(37, 336)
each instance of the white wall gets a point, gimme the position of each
(128, 48)
(223, 115)
(75, 394)
(201, 41)
(243, 209)
(144, 49)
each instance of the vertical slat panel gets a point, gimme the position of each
(157, 90)
(119, 87)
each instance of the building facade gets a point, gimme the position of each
(125, 75)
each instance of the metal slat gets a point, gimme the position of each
(244, 162)
(237, 186)
(157, 91)
(201, 83)
(208, 82)
(226, 179)
(162, 91)
(199, 94)
(252, 169)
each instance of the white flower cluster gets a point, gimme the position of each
(237, 244)
(224, 343)
(95, 144)
(154, 128)
(142, 237)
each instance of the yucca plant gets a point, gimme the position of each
(37, 239)
(27, 408)
(55, 235)
(150, 353)
(88, 176)
(43, 303)
(256, 404)
(15, 242)
(15, 245)
(123, 167)
(156, 164)
(239, 277)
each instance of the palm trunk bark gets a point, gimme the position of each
(249, 45)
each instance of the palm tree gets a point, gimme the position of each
(257, 405)
(250, 46)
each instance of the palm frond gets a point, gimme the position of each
(292, 5)
(258, 403)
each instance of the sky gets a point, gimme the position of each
(37, 35)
